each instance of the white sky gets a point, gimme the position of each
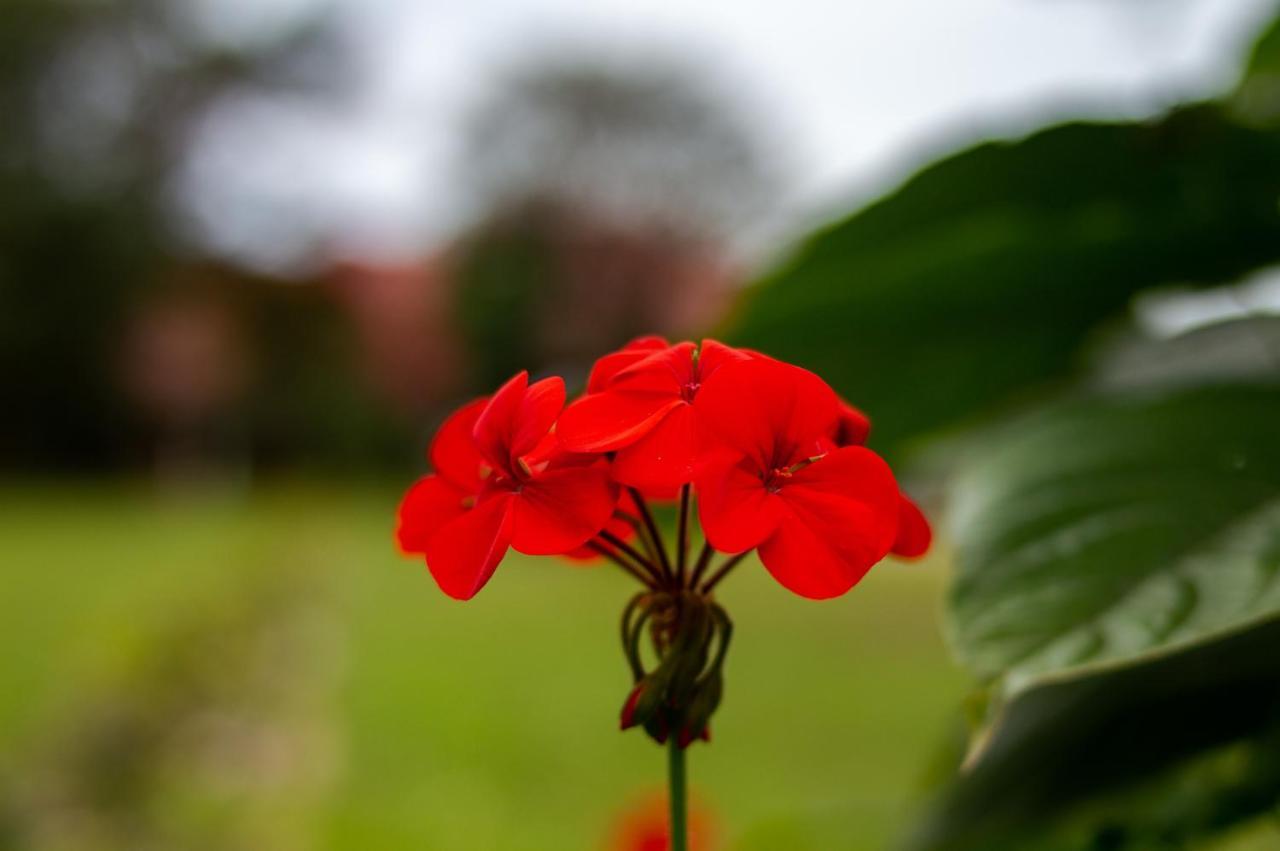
(853, 96)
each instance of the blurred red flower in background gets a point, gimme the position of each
(643, 827)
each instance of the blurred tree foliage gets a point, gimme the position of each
(608, 197)
(100, 103)
(651, 141)
(52, 240)
(506, 273)
(1115, 491)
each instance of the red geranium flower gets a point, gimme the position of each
(642, 403)
(820, 516)
(499, 483)
(779, 466)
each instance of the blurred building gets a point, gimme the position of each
(402, 315)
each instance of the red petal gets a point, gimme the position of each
(663, 493)
(562, 509)
(857, 474)
(617, 525)
(664, 458)
(802, 560)
(735, 509)
(495, 424)
(841, 519)
(610, 365)
(772, 412)
(603, 422)
(463, 554)
(627, 719)
(666, 372)
(453, 450)
(517, 417)
(559, 457)
(713, 354)
(914, 535)
(649, 342)
(429, 504)
(543, 402)
(548, 450)
(613, 363)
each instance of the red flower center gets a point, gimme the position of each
(779, 475)
(777, 478)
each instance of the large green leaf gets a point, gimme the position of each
(1257, 98)
(1145, 757)
(1110, 531)
(979, 277)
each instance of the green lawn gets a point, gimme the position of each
(486, 725)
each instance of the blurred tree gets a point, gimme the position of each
(653, 143)
(102, 103)
(608, 200)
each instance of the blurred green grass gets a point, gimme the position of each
(491, 724)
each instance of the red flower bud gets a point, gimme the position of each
(643, 826)
(852, 427)
(628, 719)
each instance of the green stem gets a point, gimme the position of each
(682, 539)
(654, 535)
(703, 560)
(623, 547)
(612, 556)
(729, 565)
(677, 794)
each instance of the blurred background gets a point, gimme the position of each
(252, 251)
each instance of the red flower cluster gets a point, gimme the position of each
(773, 456)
